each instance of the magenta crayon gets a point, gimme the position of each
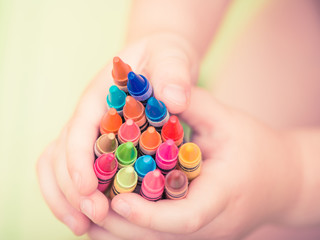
(176, 185)
(129, 132)
(105, 167)
(167, 156)
(173, 130)
(152, 185)
(106, 143)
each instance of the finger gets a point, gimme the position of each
(98, 233)
(170, 67)
(203, 203)
(56, 201)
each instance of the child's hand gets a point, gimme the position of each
(249, 177)
(65, 169)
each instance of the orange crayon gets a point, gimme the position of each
(110, 122)
(135, 110)
(149, 142)
(120, 73)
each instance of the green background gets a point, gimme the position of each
(49, 51)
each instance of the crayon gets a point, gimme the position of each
(143, 165)
(139, 87)
(105, 167)
(135, 110)
(129, 132)
(106, 143)
(176, 185)
(124, 182)
(126, 154)
(190, 160)
(167, 156)
(110, 122)
(116, 99)
(149, 142)
(156, 113)
(173, 130)
(120, 73)
(152, 186)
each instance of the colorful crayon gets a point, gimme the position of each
(167, 156)
(105, 167)
(110, 122)
(116, 99)
(124, 182)
(152, 186)
(176, 185)
(106, 143)
(143, 165)
(173, 130)
(149, 142)
(126, 154)
(190, 160)
(135, 110)
(129, 132)
(139, 87)
(156, 113)
(120, 73)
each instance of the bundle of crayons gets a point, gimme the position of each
(141, 148)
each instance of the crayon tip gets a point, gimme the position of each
(116, 97)
(133, 108)
(136, 83)
(154, 180)
(129, 130)
(150, 138)
(107, 162)
(172, 129)
(127, 177)
(176, 179)
(169, 149)
(126, 153)
(190, 152)
(155, 109)
(144, 164)
(107, 142)
(110, 122)
(120, 70)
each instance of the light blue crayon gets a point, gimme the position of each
(116, 99)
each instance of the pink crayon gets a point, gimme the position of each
(105, 167)
(152, 185)
(167, 156)
(129, 132)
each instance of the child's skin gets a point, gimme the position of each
(252, 174)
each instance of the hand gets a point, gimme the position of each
(65, 169)
(249, 177)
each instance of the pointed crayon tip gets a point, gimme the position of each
(154, 180)
(127, 152)
(169, 149)
(155, 109)
(176, 179)
(150, 138)
(172, 129)
(116, 97)
(110, 122)
(127, 176)
(129, 131)
(132, 108)
(120, 71)
(107, 142)
(107, 162)
(136, 83)
(144, 164)
(190, 152)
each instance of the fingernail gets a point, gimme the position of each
(86, 207)
(175, 94)
(70, 222)
(77, 180)
(122, 208)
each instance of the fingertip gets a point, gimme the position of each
(85, 182)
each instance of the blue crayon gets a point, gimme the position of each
(156, 113)
(139, 87)
(116, 99)
(142, 166)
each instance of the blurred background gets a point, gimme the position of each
(49, 51)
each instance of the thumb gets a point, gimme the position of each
(172, 67)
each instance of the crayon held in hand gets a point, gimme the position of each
(120, 73)
(139, 87)
(157, 113)
(149, 142)
(134, 110)
(116, 99)
(129, 132)
(173, 130)
(167, 156)
(190, 160)
(106, 143)
(143, 165)
(125, 181)
(110, 122)
(105, 167)
(176, 185)
(126, 154)
(152, 186)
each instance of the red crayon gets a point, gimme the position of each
(176, 185)
(173, 130)
(110, 122)
(105, 167)
(152, 185)
(129, 132)
(135, 110)
(120, 73)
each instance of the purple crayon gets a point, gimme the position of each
(167, 156)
